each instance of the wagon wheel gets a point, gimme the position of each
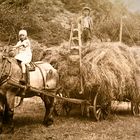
(101, 107)
(135, 108)
(62, 107)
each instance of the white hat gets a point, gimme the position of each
(23, 32)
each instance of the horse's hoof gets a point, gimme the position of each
(0, 130)
(48, 122)
(8, 129)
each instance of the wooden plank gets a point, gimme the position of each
(50, 94)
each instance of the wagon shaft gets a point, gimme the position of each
(50, 94)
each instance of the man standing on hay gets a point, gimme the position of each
(86, 23)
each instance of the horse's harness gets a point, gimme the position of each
(6, 72)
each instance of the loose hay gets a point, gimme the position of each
(111, 66)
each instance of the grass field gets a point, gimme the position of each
(28, 125)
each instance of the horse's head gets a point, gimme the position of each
(2, 58)
(4, 54)
(52, 79)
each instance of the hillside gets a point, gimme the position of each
(49, 21)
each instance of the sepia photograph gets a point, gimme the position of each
(69, 69)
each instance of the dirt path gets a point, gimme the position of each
(28, 126)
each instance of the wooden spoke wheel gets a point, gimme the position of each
(135, 108)
(62, 107)
(101, 107)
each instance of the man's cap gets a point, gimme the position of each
(23, 32)
(86, 8)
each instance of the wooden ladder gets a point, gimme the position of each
(75, 45)
(75, 35)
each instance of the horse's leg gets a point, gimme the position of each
(49, 106)
(9, 111)
(1, 112)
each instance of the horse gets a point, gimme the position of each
(44, 78)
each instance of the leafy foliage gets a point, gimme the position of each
(39, 18)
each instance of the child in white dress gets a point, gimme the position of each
(24, 54)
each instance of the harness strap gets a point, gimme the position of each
(41, 74)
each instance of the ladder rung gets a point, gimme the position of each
(74, 51)
(74, 47)
(75, 29)
(75, 38)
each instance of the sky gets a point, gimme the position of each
(132, 5)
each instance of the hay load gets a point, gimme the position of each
(136, 52)
(110, 66)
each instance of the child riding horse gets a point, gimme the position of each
(24, 54)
